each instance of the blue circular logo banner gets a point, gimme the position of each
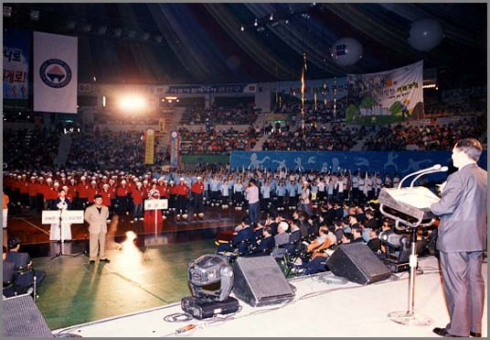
(55, 73)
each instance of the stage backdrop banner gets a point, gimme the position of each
(55, 73)
(149, 146)
(16, 51)
(386, 97)
(381, 162)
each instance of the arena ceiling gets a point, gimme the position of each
(202, 43)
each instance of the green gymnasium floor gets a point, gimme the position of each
(138, 278)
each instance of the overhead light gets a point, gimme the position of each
(271, 17)
(102, 29)
(34, 15)
(260, 29)
(242, 28)
(70, 25)
(87, 28)
(256, 23)
(275, 23)
(7, 11)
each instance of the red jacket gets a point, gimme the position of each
(181, 189)
(197, 188)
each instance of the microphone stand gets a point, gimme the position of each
(409, 317)
(433, 168)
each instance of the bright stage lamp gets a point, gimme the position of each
(132, 103)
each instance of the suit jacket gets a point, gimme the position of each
(20, 260)
(97, 221)
(57, 201)
(463, 211)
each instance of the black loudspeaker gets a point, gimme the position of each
(22, 319)
(357, 263)
(260, 282)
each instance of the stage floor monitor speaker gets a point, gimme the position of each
(357, 263)
(259, 281)
(22, 319)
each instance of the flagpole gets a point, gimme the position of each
(303, 94)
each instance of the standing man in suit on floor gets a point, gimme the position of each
(96, 216)
(462, 237)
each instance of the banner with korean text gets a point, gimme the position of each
(386, 97)
(55, 73)
(16, 51)
(149, 139)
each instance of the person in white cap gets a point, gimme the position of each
(182, 192)
(197, 190)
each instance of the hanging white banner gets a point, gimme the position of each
(386, 97)
(55, 73)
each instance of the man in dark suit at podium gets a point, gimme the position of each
(462, 237)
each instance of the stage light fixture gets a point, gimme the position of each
(87, 27)
(256, 22)
(242, 28)
(117, 32)
(102, 30)
(70, 25)
(391, 239)
(34, 15)
(132, 103)
(7, 11)
(210, 278)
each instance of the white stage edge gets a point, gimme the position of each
(324, 306)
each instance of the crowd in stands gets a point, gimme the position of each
(215, 141)
(337, 137)
(238, 115)
(108, 150)
(26, 148)
(426, 137)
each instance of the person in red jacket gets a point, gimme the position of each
(82, 191)
(92, 190)
(182, 192)
(137, 193)
(122, 195)
(108, 195)
(197, 190)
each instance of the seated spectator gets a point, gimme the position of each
(266, 244)
(281, 238)
(374, 242)
(8, 275)
(24, 269)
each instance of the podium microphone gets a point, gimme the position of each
(443, 169)
(433, 168)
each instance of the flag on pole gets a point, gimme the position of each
(149, 146)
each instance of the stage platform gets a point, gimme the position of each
(324, 306)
